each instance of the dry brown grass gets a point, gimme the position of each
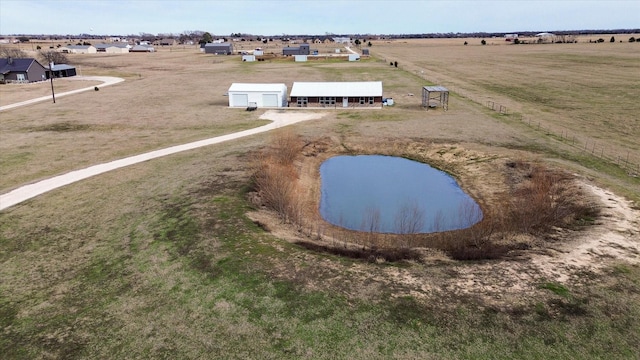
(158, 260)
(587, 90)
(536, 201)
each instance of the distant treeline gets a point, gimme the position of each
(191, 35)
(500, 34)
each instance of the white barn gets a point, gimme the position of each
(351, 94)
(257, 95)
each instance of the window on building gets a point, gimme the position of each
(362, 101)
(327, 101)
(302, 101)
(371, 101)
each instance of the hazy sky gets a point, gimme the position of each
(265, 17)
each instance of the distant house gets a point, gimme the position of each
(113, 48)
(337, 94)
(24, 70)
(166, 42)
(60, 71)
(342, 40)
(78, 49)
(224, 48)
(142, 48)
(365, 52)
(303, 49)
(257, 95)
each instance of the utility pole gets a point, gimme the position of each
(53, 94)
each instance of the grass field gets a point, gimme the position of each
(159, 260)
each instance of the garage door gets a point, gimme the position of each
(270, 100)
(240, 100)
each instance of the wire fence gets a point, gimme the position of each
(628, 161)
(585, 145)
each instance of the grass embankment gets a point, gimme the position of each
(187, 274)
(537, 201)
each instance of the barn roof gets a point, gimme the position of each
(224, 44)
(360, 88)
(79, 47)
(105, 46)
(247, 87)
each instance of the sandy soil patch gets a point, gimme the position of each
(563, 256)
(290, 116)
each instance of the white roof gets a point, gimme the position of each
(245, 87)
(360, 88)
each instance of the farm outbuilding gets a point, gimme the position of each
(23, 70)
(337, 94)
(113, 48)
(257, 95)
(433, 96)
(142, 48)
(219, 49)
(60, 71)
(78, 49)
(303, 49)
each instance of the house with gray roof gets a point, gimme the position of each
(24, 70)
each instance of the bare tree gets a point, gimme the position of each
(409, 219)
(53, 57)
(371, 220)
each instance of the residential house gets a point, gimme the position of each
(23, 70)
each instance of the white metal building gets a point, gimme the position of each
(257, 95)
(337, 94)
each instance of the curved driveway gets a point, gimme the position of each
(107, 80)
(32, 190)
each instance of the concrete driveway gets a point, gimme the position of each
(106, 81)
(280, 118)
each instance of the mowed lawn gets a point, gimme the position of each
(159, 260)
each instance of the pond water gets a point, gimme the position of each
(386, 194)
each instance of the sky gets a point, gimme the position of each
(319, 17)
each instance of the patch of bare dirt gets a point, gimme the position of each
(562, 256)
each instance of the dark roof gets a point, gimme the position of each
(7, 66)
(225, 44)
(58, 67)
(104, 46)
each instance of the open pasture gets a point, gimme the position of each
(587, 91)
(159, 260)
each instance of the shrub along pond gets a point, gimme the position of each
(386, 194)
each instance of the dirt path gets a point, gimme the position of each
(280, 119)
(106, 81)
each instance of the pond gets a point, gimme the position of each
(386, 194)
